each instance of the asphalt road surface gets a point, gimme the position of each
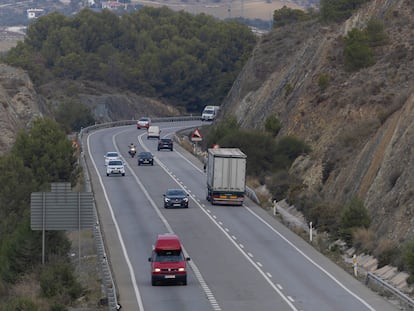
(242, 259)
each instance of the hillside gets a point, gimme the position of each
(359, 127)
(21, 103)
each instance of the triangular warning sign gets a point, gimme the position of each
(196, 134)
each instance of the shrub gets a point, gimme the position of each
(387, 252)
(354, 215)
(363, 240)
(338, 10)
(376, 34)
(20, 304)
(357, 52)
(408, 260)
(324, 216)
(323, 81)
(285, 16)
(273, 125)
(288, 89)
(58, 280)
(292, 147)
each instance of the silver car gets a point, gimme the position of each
(111, 155)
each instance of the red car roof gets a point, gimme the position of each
(167, 241)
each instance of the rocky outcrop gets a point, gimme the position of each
(19, 104)
(359, 126)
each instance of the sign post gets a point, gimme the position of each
(61, 209)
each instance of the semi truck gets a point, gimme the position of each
(226, 176)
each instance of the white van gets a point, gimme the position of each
(153, 132)
(209, 113)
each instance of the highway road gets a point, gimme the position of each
(241, 257)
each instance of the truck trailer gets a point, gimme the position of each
(226, 176)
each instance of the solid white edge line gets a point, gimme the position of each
(118, 231)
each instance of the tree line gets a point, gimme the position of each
(39, 157)
(189, 60)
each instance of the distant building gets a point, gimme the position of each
(112, 5)
(34, 13)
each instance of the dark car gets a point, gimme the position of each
(176, 198)
(165, 143)
(145, 158)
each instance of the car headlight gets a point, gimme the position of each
(157, 270)
(181, 269)
(185, 199)
(167, 200)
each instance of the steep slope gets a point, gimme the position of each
(21, 102)
(359, 125)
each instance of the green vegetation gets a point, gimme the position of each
(359, 45)
(286, 16)
(323, 81)
(190, 61)
(39, 157)
(353, 216)
(273, 125)
(357, 52)
(338, 10)
(408, 258)
(266, 154)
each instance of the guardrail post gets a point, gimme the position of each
(355, 264)
(310, 231)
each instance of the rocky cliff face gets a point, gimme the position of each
(360, 126)
(21, 103)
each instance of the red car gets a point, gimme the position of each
(143, 123)
(168, 263)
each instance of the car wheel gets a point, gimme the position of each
(171, 149)
(107, 174)
(185, 281)
(123, 174)
(153, 282)
(152, 163)
(165, 206)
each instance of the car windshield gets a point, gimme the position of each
(143, 120)
(115, 162)
(176, 192)
(165, 140)
(112, 154)
(209, 111)
(145, 155)
(169, 256)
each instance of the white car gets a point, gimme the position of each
(112, 155)
(115, 167)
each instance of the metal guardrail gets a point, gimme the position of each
(406, 303)
(108, 283)
(133, 122)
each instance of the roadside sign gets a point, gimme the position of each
(196, 136)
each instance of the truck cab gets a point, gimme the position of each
(168, 263)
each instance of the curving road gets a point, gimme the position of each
(241, 257)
